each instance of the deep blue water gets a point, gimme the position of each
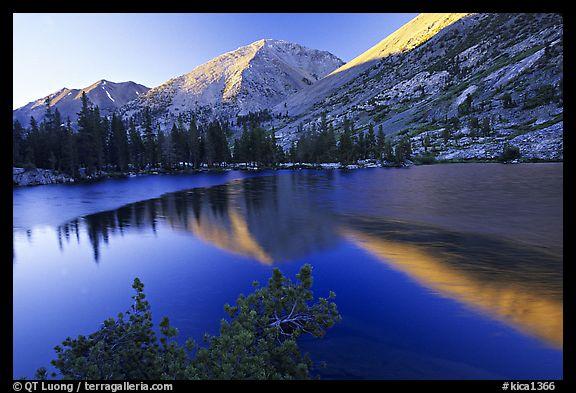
(445, 271)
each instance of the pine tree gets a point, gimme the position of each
(293, 153)
(57, 138)
(486, 129)
(216, 144)
(48, 115)
(136, 146)
(426, 142)
(30, 155)
(202, 145)
(18, 143)
(243, 146)
(474, 125)
(380, 143)
(69, 152)
(446, 133)
(194, 153)
(403, 150)
(361, 145)
(259, 145)
(166, 149)
(371, 143)
(101, 134)
(179, 147)
(87, 143)
(388, 151)
(258, 339)
(119, 148)
(346, 145)
(278, 154)
(150, 142)
(331, 145)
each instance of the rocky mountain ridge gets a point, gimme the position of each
(108, 96)
(251, 78)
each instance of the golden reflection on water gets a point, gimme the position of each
(515, 303)
(234, 236)
(251, 222)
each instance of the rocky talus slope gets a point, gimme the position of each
(471, 83)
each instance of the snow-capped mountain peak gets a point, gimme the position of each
(251, 78)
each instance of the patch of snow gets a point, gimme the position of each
(330, 165)
(109, 96)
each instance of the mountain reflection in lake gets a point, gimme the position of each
(420, 298)
(512, 282)
(268, 221)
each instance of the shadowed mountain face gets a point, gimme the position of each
(108, 96)
(281, 219)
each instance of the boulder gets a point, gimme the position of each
(37, 176)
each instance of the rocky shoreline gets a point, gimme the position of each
(38, 176)
(22, 177)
